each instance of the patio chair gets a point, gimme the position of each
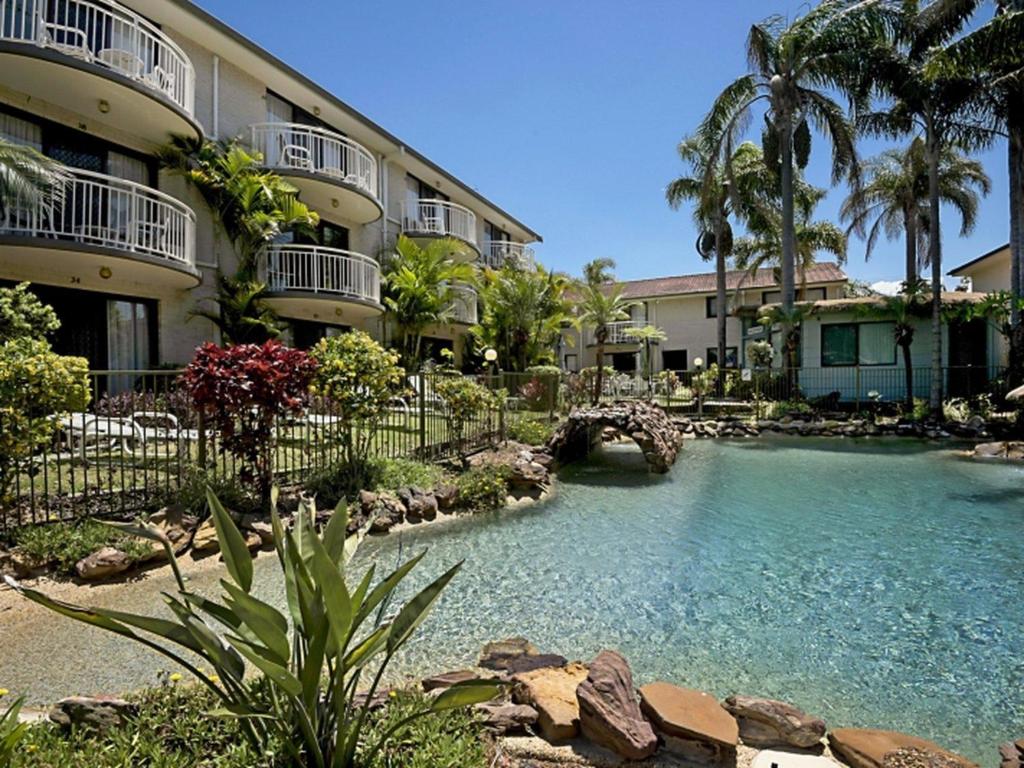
(87, 430)
(153, 234)
(160, 79)
(63, 38)
(294, 155)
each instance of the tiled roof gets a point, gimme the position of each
(823, 272)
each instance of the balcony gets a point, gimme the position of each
(99, 60)
(617, 332)
(117, 229)
(498, 252)
(464, 305)
(311, 282)
(425, 218)
(335, 176)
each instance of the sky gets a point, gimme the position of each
(566, 113)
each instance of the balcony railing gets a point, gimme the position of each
(498, 252)
(617, 331)
(464, 305)
(291, 146)
(439, 217)
(316, 269)
(105, 34)
(112, 213)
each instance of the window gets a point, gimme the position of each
(813, 294)
(673, 360)
(624, 362)
(711, 306)
(857, 344)
(129, 337)
(807, 294)
(731, 357)
(18, 131)
(771, 297)
(571, 362)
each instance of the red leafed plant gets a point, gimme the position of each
(243, 390)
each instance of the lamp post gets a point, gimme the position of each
(698, 363)
(491, 356)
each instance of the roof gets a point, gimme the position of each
(274, 61)
(843, 305)
(958, 271)
(823, 272)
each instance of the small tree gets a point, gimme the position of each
(647, 336)
(464, 399)
(36, 386)
(244, 390)
(23, 315)
(358, 378)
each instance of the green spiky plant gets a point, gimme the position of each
(11, 731)
(313, 659)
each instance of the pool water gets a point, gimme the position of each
(873, 583)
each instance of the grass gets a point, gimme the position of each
(66, 543)
(173, 730)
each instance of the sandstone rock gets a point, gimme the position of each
(1009, 751)
(367, 501)
(770, 723)
(16, 563)
(420, 504)
(867, 748)
(265, 531)
(388, 512)
(585, 425)
(692, 723)
(507, 718)
(97, 712)
(379, 700)
(204, 540)
(447, 680)
(447, 495)
(103, 564)
(609, 713)
(532, 661)
(552, 692)
(909, 757)
(497, 654)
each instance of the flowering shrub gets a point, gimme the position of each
(356, 378)
(243, 390)
(483, 487)
(534, 394)
(576, 390)
(24, 316)
(36, 386)
(464, 399)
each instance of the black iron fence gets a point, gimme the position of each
(141, 439)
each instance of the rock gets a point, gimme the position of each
(447, 495)
(92, 711)
(379, 700)
(661, 438)
(388, 511)
(552, 692)
(204, 540)
(868, 748)
(176, 524)
(497, 654)
(609, 713)
(507, 718)
(447, 680)
(771, 723)
(367, 501)
(692, 723)
(909, 757)
(103, 564)
(1009, 751)
(265, 531)
(420, 504)
(530, 662)
(16, 563)
(1015, 451)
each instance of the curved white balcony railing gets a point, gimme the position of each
(292, 146)
(108, 35)
(317, 269)
(498, 252)
(111, 213)
(464, 305)
(439, 217)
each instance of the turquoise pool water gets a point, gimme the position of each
(872, 583)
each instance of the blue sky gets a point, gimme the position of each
(564, 112)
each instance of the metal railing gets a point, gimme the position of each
(439, 217)
(108, 212)
(107, 35)
(464, 305)
(141, 441)
(617, 332)
(317, 269)
(293, 146)
(498, 252)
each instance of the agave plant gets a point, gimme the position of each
(314, 660)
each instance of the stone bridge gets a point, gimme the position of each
(647, 425)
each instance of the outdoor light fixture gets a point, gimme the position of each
(106, 273)
(334, 202)
(490, 355)
(104, 106)
(698, 362)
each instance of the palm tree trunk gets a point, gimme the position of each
(908, 375)
(1015, 153)
(599, 377)
(720, 299)
(935, 257)
(910, 228)
(788, 233)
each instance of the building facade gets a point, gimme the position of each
(132, 250)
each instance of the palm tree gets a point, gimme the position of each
(646, 336)
(894, 198)
(241, 316)
(794, 66)
(28, 177)
(420, 284)
(600, 306)
(903, 310)
(599, 271)
(938, 103)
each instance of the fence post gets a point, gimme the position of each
(501, 421)
(857, 384)
(423, 415)
(201, 423)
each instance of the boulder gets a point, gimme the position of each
(264, 530)
(447, 495)
(990, 450)
(496, 655)
(177, 525)
(507, 718)
(418, 504)
(868, 748)
(367, 501)
(692, 723)
(103, 564)
(609, 713)
(97, 712)
(447, 680)
(552, 692)
(909, 757)
(530, 662)
(771, 723)
(388, 511)
(204, 540)
(16, 563)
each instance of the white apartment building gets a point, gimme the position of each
(100, 85)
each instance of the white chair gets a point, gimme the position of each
(66, 39)
(153, 234)
(160, 79)
(87, 430)
(294, 155)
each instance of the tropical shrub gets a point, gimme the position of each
(777, 410)
(392, 474)
(244, 390)
(312, 661)
(575, 390)
(484, 487)
(64, 544)
(670, 381)
(338, 482)
(534, 394)
(544, 370)
(760, 354)
(357, 378)
(464, 400)
(530, 431)
(24, 316)
(37, 386)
